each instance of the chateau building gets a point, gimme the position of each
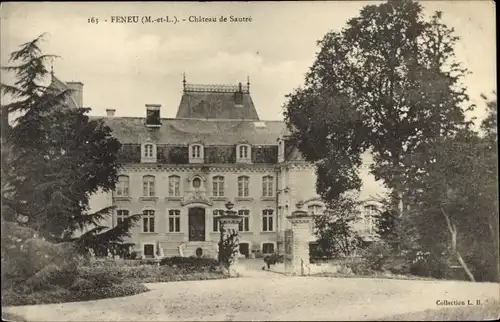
(180, 172)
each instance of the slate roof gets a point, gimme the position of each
(184, 131)
(216, 102)
(59, 86)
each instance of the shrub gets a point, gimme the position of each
(115, 290)
(273, 259)
(191, 263)
(35, 263)
(81, 293)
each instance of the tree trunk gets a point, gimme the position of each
(453, 231)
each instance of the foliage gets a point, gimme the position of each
(80, 292)
(55, 158)
(273, 259)
(33, 263)
(190, 262)
(459, 194)
(387, 83)
(334, 231)
(145, 273)
(228, 246)
(35, 271)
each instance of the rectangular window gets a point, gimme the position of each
(216, 221)
(245, 223)
(148, 221)
(174, 220)
(174, 186)
(121, 215)
(148, 186)
(122, 186)
(267, 248)
(149, 251)
(267, 220)
(315, 209)
(218, 186)
(267, 186)
(243, 187)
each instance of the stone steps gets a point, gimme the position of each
(209, 249)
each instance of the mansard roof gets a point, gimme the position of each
(58, 86)
(216, 102)
(183, 131)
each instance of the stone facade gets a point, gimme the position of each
(179, 172)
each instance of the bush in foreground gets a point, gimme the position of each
(35, 271)
(81, 292)
(154, 273)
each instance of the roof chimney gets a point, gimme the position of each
(153, 115)
(77, 92)
(110, 112)
(238, 97)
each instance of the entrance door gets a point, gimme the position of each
(196, 224)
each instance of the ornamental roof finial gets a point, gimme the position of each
(184, 81)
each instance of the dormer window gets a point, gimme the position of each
(148, 154)
(196, 153)
(243, 153)
(148, 150)
(153, 115)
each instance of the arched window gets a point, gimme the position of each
(148, 153)
(148, 186)
(196, 153)
(243, 153)
(267, 186)
(122, 186)
(218, 186)
(243, 186)
(174, 186)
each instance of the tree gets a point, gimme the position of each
(388, 83)
(55, 158)
(334, 231)
(460, 196)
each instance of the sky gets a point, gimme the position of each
(125, 65)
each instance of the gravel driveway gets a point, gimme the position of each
(266, 296)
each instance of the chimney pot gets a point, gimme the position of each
(110, 112)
